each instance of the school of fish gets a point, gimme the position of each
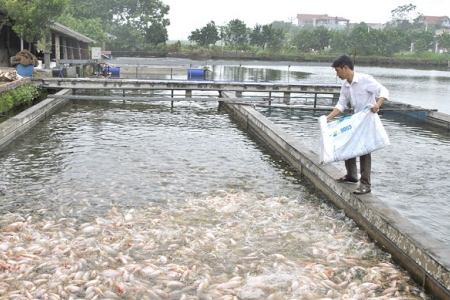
(231, 245)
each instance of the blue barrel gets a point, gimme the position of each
(112, 71)
(196, 74)
(25, 71)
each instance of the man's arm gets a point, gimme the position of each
(380, 91)
(335, 112)
(377, 105)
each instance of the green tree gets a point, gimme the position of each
(322, 38)
(422, 40)
(267, 36)
(394, 41)
(256, 36)
(92, 9)
(305, 40)
(289, 28)
(30, 18)
(175, 48)
(208, 35)
(362, 40)
(127, 39)
(141, 14)
(312, 38)
(339, 42)
(136, 24)
(156, 33)
(444, 42)
(236, 33)
(92, 28)
(275, 37)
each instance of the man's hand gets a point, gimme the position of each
(335, 112)
(375, 108)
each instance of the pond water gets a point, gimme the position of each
(429, 89)
(410, 175)
(145, 201)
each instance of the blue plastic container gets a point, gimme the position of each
(196, 74)
(25, 71)
(113, 71)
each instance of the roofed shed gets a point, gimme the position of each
(65, 44)
(68, 44)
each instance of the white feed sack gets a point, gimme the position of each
(351, 136)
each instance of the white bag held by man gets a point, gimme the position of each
(351, 136)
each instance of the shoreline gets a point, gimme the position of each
(364, 60)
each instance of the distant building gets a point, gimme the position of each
(375, 25)
(442, 30)
(443, 21)
(441, 26)
(65, 44)
(322, 20)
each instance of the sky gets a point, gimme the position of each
(188, 15)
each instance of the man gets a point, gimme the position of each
(358, 89)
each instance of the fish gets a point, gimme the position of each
(155, 253)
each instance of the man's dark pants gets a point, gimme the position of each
(365, 165)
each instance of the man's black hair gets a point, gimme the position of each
(342, 61)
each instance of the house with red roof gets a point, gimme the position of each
(442, 21)
(441, 26)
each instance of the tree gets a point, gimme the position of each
(174, 48)
(128, 39)
(275, 37)
(361, 40)
(156, 34)
(136, 24)
(267, 36)
(208, 35)
(92, 28)
(312, 38)
(289, 28)
(404, 17)
(236, 33)
(444, 42)
(339, 41)
(30, 18)
(143, 16)
(91, 9)
(256, 37)
(322, 37)
(394, 41)
(422, 40)
(305, 40)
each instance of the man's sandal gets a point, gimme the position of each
(362, 190)
(345, 179)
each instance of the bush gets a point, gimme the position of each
(23, 95)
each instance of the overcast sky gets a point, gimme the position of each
(188, 15)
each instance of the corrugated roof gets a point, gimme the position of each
(69, 32)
